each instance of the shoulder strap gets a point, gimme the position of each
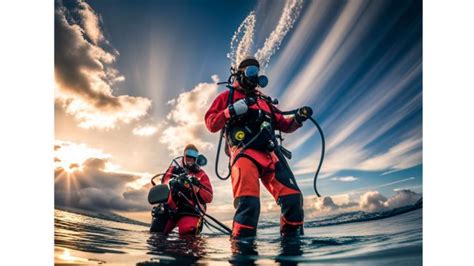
(230, 99)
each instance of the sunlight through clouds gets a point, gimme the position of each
(84, 75)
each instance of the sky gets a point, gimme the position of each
(134, 79)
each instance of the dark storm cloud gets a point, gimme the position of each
(91, 187)
(75, 59)
(83, 73)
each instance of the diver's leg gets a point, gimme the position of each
(162, 221)
(190, 225)
(287, 194)
(246, 191)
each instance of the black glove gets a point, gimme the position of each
(303, 114)
(195, 181)
(179, 184)
(178, 170)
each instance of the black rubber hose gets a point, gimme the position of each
(155, 176)
(216, 167)
(209, 225)
(323, 148)
(207, 215)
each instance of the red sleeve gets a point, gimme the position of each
(205, 193)
(167, 176)
(285, 124)
(218, 113)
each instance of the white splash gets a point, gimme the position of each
(242, 40)
(291, 12)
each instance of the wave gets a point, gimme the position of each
(108, 216)
(351, 217)
(342, 218)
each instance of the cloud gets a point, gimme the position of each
(90, 22)
(290, 13)
(242, 40)
(356, 156)
(345, 178)
(83, 75)
(353, 124)
(185, 121)
(87, 183)
(371, 188)
(403, 155)
(402, 198)
(326, 203)
(373, 201)
(327, 56)
(145, 131)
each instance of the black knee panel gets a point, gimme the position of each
(248, 210)
(292, 207)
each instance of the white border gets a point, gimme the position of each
(27, 110)
(447, 132)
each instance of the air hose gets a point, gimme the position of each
(217, 158)
(224, 229)
(323, 148)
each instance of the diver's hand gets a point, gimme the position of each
(238, 108)
(241, 106)
(194, 181)
(176, 185)
(303, 114)
(179, 185)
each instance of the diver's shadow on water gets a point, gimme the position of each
(175, 249)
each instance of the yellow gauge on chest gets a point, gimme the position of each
(239, 135)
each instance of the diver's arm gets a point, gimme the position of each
(285, 124)
(218, 113)
(205, 193)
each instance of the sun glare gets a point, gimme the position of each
(70, 156)
(67, 258)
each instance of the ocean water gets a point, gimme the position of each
(356, 238)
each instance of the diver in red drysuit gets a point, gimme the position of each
(180, 210)
(253, 157)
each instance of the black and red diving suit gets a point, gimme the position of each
(257, 160)
(181, 207)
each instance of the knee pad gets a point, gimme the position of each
(292, 207)
(246, 216)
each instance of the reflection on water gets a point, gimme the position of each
(187, 249)
(64, 256)
(244, 251)
(90, 234)
(86, 239)
(291, 246)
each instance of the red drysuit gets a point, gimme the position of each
(179, 213)
(252, 165)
